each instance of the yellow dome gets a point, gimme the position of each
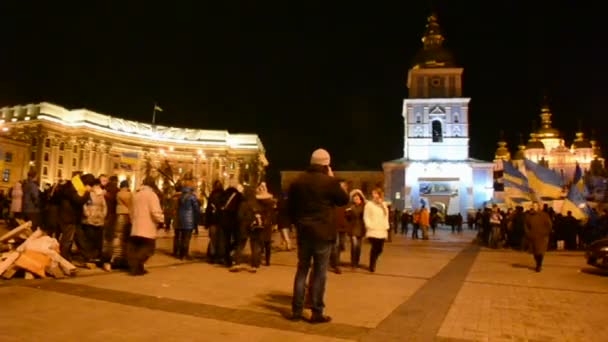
(546, 131)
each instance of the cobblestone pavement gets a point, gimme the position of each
(445, 289)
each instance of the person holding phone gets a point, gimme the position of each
(313, 198)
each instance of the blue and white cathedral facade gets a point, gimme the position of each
(436, 169)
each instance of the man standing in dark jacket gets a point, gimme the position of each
(72, 197)
(313, 199)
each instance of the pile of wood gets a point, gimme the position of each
(33, 254)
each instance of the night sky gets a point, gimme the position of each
(307, 74)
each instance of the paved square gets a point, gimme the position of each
(444, 289)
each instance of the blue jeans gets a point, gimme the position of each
(318, 252)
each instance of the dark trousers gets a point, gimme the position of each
(140, 249)
(355, 250)
(36, 219)
(377, 247)
(213, 253)
(90, 242)
(415, 228)
(229, 235)
(315, 252)
(404, 228)
(181, 243)
(256, 244)
(68, 230)
(539, 261)
(266, 249)
(339, 245)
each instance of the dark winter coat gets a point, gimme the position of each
(354, 218)
(189, 209)
(71, 204)
(538, 229)
(313, 197)
(31, 197)
(214, 206)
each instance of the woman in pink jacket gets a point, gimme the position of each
(146, 215)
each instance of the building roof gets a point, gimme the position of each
(49, 112)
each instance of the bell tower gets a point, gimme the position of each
(435, 114)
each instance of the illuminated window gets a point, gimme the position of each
(60, 160)
(34, 142)
(47, 143)
(418, 118)
(32, 156)
(59, 173)
(8, 157)
(456, 120)
(74, 162)
(75, 149)
(45, 171)
(46, 157)
(61, 147)
(437, 131)
(6, 175)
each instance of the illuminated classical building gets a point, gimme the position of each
(58, 142)
(436, 167)
(547, 147)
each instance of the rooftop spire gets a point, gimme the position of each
(432, 37)
(545, 114)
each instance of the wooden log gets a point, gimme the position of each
(23, 228)
(66, 266)
(8, 262)
(8, 274)
(34, 262)
(38, 233)
(55, 271)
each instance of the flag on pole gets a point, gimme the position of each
(157, 108)
(578, 180)
(543, 181)
(512, 174)
(575, 203)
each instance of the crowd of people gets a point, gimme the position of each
(110, 226)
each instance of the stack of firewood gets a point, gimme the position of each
(33, 254)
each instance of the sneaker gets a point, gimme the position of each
(107, 267)
(337, 270)
(316, 319)
(253, 269)
(90, 265)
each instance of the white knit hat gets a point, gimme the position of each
(320, 157)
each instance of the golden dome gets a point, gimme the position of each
(433, 54)
(502, 152)
(534, 143)
(581, 142)
(546, 131)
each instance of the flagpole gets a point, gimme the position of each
(154, 115)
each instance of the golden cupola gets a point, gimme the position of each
(521, 148)
(546, 131)
(502, 152)
(581, 142)
(433, 54)
(534, 143)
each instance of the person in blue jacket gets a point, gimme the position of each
(188, 217)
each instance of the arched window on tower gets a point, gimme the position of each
(437, 131)
(418, 118)
(456, 118)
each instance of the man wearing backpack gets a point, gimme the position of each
(313, 199)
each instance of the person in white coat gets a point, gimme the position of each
(376, 219)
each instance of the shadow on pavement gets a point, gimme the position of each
(595, 271)
(276, 301)
(523, 266)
